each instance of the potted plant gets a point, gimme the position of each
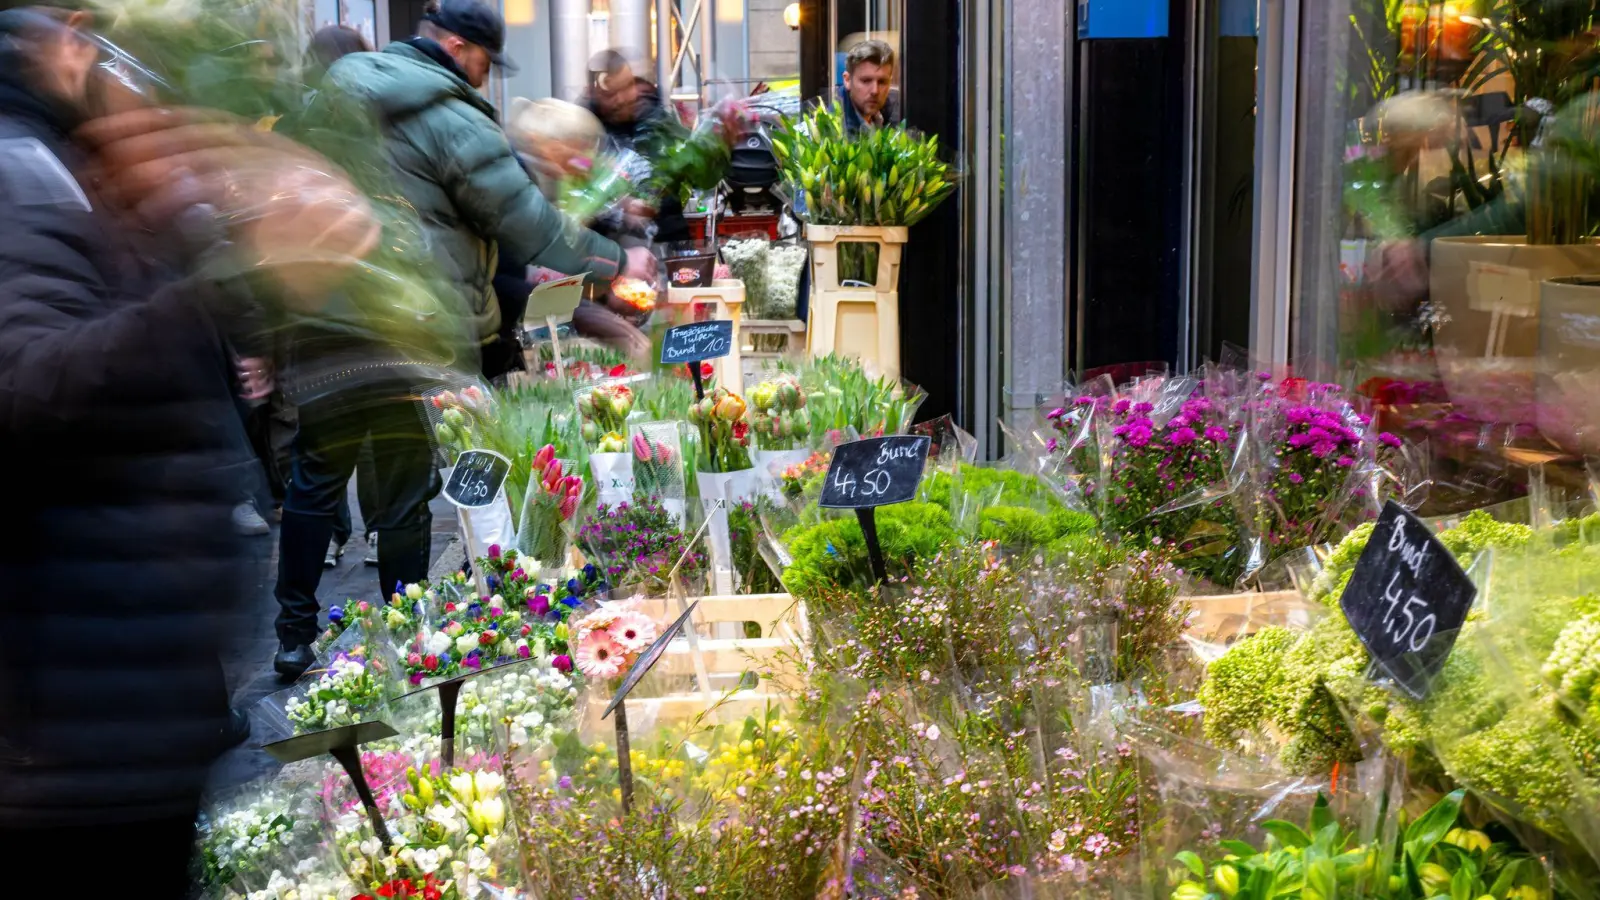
(858, 194)
(1487, 284)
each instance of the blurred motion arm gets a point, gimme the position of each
(492, 190)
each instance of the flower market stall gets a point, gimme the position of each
(1119, 664)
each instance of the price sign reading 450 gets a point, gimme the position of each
(871, 473)
(1407, 600)
(477, 479)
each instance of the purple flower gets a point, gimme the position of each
(539, 604)
(1296, 477)
(1182, 436)
(1056, 413)
(1346, 461)
(1299, 441)
(1324, 449)
(1143, 407)
(1216, 433)
(1121, 406)
(1388, 440)
(1051, 445)
(562, 663)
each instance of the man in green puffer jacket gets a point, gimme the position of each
(453, 163)
(449, 161)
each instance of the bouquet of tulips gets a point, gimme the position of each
(654, 467)
(779, 414)
(724, 433)
(553, 499)
(883, 176)
(604, 411)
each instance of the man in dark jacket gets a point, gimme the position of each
(448, 157)
(120, 569)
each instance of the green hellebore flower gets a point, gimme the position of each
(1189, 890)
(1227, 879)
(1468, 839)
(1435, 878)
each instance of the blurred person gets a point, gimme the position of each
(868, 95)
(327, 46)
(560, 140)
(629, 107)
(116, 399)
(451, 161)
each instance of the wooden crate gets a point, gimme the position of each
(1225, 618)
(726, 299)
(850, 321)
(774, 658)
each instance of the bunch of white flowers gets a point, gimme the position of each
(240, 845)
(343, 694)
(536, 702)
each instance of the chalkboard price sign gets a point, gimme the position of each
(1407, 599)
(697, 342)
(875, 472)
(477, 479)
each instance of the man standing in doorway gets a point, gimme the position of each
(868, 96)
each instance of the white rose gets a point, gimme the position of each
(466, 643)
(438, 643)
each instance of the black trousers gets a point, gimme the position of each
(366, 497)
(326, 449)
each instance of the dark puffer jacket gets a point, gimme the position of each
(119, 445)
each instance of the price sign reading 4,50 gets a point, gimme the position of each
(865, 475)
(1407, 600)
(477, 479)
(875, 472)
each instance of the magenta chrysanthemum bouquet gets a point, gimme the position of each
(1313, 451)
(1156, 463)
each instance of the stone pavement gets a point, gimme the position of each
(249, 663)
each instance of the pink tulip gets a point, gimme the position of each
(641, 448)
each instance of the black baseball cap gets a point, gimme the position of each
(476, 22)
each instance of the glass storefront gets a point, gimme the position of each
(1443, 254)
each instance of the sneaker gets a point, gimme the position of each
(249, 522)
(372, 549)
(292, 662)
(335, 553)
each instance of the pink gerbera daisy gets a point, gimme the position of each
(633, 631)
(599, 656)
(599, 620)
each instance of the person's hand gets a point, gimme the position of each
(289, 210)
(637, 208)
(255, 377)
(641, 264)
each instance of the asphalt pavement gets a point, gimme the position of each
(249, 662)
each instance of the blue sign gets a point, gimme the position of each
(1238, 18)
(1098, 19)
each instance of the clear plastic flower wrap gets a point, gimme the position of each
(843, 397)
(1512, 715)
(450, 833)
(1311, 445)
(549, 516)
(641, 548)
(356, 676)
(659, 468)
(266, 836)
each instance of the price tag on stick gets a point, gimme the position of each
(696, 343)
(619, 705)
(867, 474)
(1407, 600)
(342, 744)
